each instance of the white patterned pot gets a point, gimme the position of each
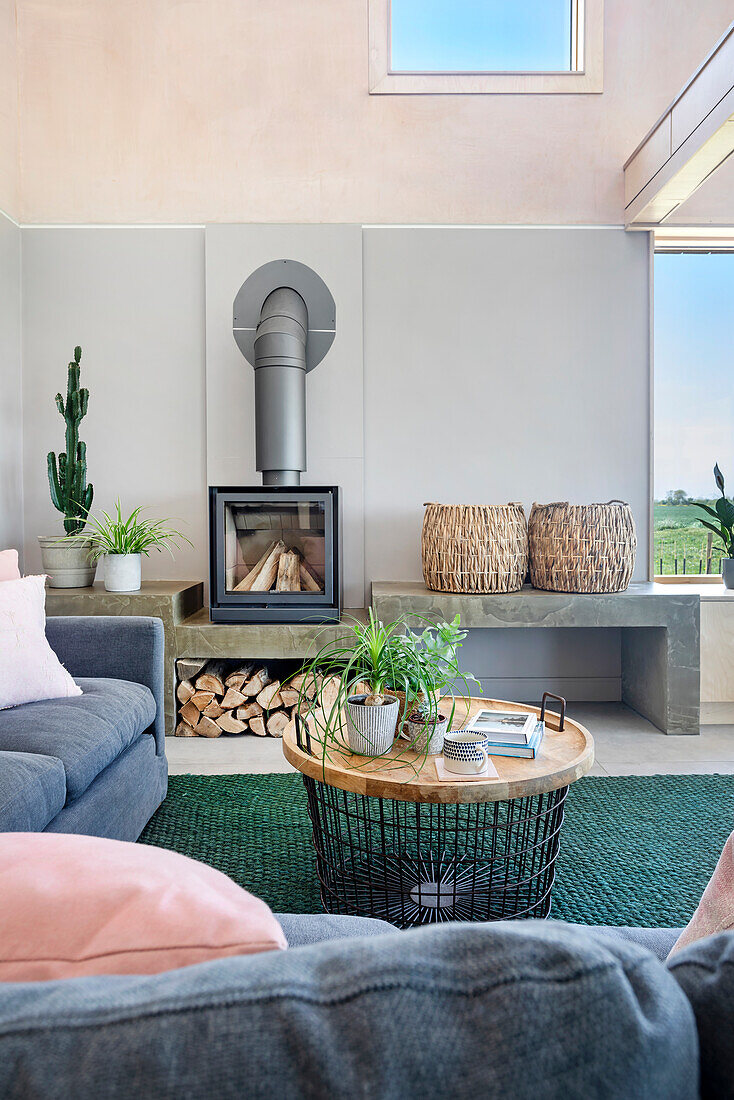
(122, 572)
(426, 735)
(66, 564)
(371, 730)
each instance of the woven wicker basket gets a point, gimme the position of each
(582, 548)
(474, 548)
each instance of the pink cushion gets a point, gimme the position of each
(9, 570)
(29, 668)
(715, 912)
(80, 905)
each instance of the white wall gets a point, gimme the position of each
(134, 300)
(502, 364)
(11, 430)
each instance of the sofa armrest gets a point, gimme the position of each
(117, 646)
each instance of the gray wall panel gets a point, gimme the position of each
(333, 390)
(11, 430)
(501, 364)
(134, 300)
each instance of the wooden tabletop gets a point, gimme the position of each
(411, 777)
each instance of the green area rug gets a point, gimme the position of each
(634, 850)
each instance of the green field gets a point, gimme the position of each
(680, 542)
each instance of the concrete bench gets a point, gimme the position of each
(660, 632)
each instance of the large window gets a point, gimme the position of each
(486, 46)
(694, 403)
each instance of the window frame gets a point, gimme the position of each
(586, 76)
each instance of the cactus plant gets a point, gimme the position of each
(67, 479)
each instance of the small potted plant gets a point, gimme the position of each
(436, 648)
(121, 542)
(68, 563)
(351, 675)
(723, 513)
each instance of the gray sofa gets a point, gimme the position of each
(94, 763)
(517, 1010)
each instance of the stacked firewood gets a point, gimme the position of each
(213, 701)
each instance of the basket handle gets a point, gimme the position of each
(562, 716)
(304, 747)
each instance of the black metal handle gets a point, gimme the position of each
(299, 742)
(559, 698)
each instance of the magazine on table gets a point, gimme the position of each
(505, 727)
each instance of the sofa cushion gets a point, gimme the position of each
(705, 972)
(85, 733)
(523, 1009)
(32, 791)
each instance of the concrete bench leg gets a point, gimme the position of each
(661, 675)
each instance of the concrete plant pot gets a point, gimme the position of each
(371, 730)
(122, 572)
(727, 572)
(66, 564)
(425, 734)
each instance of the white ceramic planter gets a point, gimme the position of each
(727, 572)
(66, 564)
(122, 572)
(371, 730)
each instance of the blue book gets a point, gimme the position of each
(528, 751)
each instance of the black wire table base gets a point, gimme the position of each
(414, 863)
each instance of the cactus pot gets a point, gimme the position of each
(122, 572)
(425, 734)
(66, 565)
(371, 730)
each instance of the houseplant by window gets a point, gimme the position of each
(723, 528)
(122, 542)
(68, 564)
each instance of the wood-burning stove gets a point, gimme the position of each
(275, 554)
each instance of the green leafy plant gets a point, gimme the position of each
(67, 477)
(383, 658)
(134, 535)
(723, 513)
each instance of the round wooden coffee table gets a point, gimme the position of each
(394, 841)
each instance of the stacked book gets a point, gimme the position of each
(509, 732)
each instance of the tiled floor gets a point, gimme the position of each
(625, 743)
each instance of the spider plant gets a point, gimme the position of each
(112, 534)
(374, 658)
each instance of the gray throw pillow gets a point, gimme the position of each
(705, 972)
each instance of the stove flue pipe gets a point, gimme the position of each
(284, 322)
(280, 388)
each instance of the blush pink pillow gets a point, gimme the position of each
(29, 668)
(715, 912)
(80, 905)
(9, 570)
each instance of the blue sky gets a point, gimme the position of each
(481, 34)
(694, 372)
